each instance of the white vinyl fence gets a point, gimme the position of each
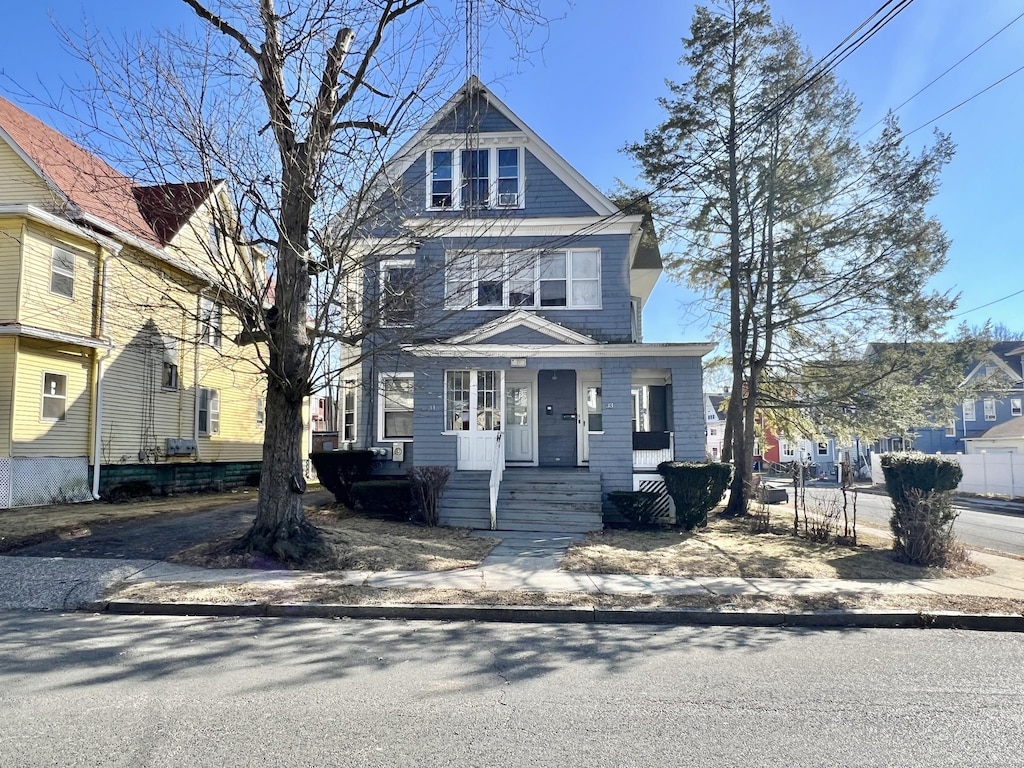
(999, 474)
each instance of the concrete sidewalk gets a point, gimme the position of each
(519, 563)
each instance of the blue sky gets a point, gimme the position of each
(594, 84)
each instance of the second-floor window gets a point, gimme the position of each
(169, 366)
(211, 317)
(397, 292)
(62, 273)
(823, 449)
(990, 409)
(969, 412)
(568, 279)
(491, 177)
(1015, 406)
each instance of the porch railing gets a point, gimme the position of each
(651, 458)
(497, 467)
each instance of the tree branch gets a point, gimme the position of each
(222, 26)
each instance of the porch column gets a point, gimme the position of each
(688, 409)
(611, 453)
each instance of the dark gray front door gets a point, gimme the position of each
(556, 418)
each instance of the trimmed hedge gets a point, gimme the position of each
(695, 489)
(639, 507)
(384, 499)
(338, 470)
(921, 489)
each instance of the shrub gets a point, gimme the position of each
(384, 499)
(639, 508)
(695, 489)
(428, 486)
(338, 470)
(921, 489)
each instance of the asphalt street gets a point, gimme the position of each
(989, 529)
(100, 690)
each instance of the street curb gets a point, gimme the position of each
(989, 622)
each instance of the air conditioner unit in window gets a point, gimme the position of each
(508, 199)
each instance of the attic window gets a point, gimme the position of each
(485, 178)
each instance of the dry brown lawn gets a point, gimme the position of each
(321, 591)
(23, 526)
(362, 544)
(728, 547)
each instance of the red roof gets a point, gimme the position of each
(154, 214)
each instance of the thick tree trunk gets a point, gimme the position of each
(281, 529)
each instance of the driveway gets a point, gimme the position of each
(156, 538)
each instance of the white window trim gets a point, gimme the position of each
(990, 408)
(970, 409)
(1015, 406)
(44, 396)
(55, 270)
(171, 357)
(348, 386)
(951, 429)
(380, 406)
(261, 411)
(212, 411)
(403, 262)
(506, 280)
(211, 334)
(821, 452)
(492, 178)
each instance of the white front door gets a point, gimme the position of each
(519, 426)
(589, 415)
(474, 409)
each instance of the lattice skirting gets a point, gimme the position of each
(5, 483)
(656, 483)
(48, 480)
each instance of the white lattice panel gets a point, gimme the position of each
(5, 483)
(49, 480)
(656, 483)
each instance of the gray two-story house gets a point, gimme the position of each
(506, 294)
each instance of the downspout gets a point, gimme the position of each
(103, 284)
(195, 375)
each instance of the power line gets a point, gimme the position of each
(946, 72)
(989, 304)
(965, 101)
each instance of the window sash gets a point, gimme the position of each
(469, 393)
(54, 397)
(397, 292)
(396, 406)
(211, 316)
(209, 411)
(489, 177)
(62, 273)
(1015, 406)
(970, 413)
(348, 410)
(990, 409)
(261, 411)
(568, 279)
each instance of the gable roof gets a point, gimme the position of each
(1005, 356)
(77, 176)
(520, 319)
(1014, 428)
(411, 150)
(168, 207)
(153, 214)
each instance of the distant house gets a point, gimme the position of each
(1007, 437)
(1000, 374)
(510, 347)
(714, 424)
(117, 357)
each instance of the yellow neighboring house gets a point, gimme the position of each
(117, 362)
